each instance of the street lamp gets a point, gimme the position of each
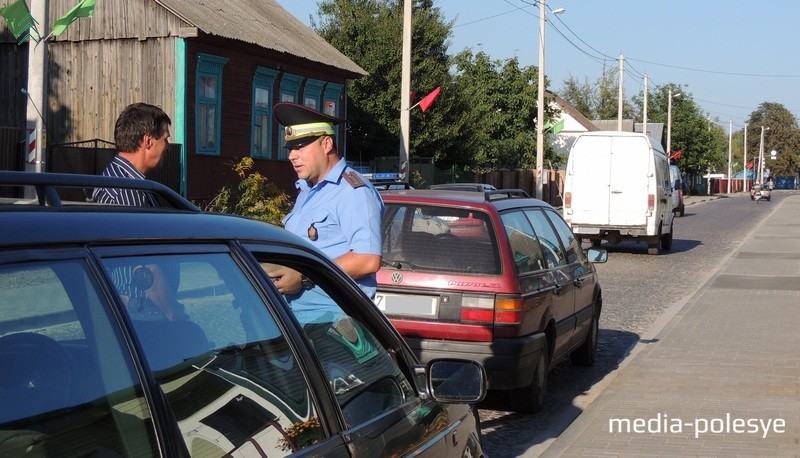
(730, 148)
(669, 122)
(540, 101)
(761, 156)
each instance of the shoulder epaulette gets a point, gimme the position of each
(353, 179)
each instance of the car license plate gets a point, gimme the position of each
(398, 304)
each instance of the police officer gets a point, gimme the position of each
(337, 209)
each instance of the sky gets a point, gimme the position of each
(731, 56)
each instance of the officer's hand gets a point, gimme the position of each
(288, 281)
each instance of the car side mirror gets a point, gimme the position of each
(456, 381)
(598, 255)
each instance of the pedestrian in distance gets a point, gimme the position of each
(337, 209)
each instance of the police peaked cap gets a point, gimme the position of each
(303, 125)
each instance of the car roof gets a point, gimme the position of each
(48, 220)
(501, 199)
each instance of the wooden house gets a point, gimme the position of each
(217, 68)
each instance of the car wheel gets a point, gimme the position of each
(683, 210)
(585, 354)
(596, 242)
(530, 399)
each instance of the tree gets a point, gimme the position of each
(370, 33)
(783, 136)
(599, 100)
(502, 97)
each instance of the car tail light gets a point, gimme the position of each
(651, 202)
(568, 200)
(485, 309)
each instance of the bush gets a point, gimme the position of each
(254, 196)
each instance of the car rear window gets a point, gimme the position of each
(437, 238)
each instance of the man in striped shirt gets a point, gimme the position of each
(142, 137)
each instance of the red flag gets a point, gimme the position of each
(427, 101)
(749, 165)
(676, 155)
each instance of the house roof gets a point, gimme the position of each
(574, 113)
(261, 22)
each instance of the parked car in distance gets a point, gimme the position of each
(159, 332)
(676, 179)
(501, 281)
(759, 192)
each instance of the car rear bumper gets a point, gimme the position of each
(509, 363)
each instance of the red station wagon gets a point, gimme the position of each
(492, 276)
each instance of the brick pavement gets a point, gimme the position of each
(724, 364)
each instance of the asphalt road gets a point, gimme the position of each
(637, 291)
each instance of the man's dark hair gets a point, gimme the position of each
(136, 121)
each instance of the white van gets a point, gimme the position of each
(618, 188)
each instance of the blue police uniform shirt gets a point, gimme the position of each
(341, 217)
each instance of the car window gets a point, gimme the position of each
(568, 239)
(61, 355)
(231, 378)
(439, 239)
(365, 377)
(551, 247)
(524, 245)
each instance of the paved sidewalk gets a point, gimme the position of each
(722, 377)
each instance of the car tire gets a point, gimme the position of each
(530, 399)
(683, 210)
(596, 242)
(585, 354)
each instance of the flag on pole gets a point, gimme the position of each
(427, 101)
(676, 155)
(749, 165)
(85, 8)
(558, 127)
(18, 18)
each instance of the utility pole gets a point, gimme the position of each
(36, 92)
(744, 159)
(619, 102)
(644, 112)
(405, 94)
(730, 144)
(540, 106)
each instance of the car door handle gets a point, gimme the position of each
(578, 282)
(557, 289)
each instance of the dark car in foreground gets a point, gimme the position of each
(492, 276)
(158, 332)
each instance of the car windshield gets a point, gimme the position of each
(437, 238)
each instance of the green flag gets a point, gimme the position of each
(83, 9)
(558, 127)
(18, 17)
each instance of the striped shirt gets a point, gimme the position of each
(121, 168)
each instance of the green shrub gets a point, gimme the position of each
(254, 196)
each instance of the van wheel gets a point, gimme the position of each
(584, 355)
(683, 210)
(655, 247)
(530, 399)
(666, 241)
